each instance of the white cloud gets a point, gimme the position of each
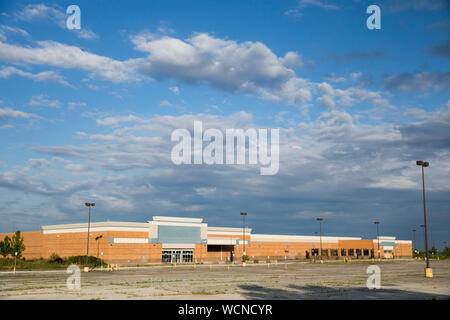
(336, 158)
(85, 33)
(248, 67)
(292, 60)
(68, 57)
(243, 68)
(165, 103)
(37, 163)
(174, 89)
(317, 3)
(205, 191)
(43, 101)
(8, 113)
(55, 14)
(350, 96)
(8, 29)
(76, 104)
(6, 72)
(335, 78)
(40, 12)
(355, 75)
(293, 13)
(116, 120)
(420, 81)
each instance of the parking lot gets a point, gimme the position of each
(401, 279)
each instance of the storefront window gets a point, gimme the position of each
(177, 256)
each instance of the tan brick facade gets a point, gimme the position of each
(73, 243)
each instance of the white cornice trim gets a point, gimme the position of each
(213, 230)
(96, 226)
(177, 219)
(293, 238)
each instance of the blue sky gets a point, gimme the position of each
(87, 114)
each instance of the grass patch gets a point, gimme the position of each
(201, 292)
(54, 262)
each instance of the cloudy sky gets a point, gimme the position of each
(87, 115)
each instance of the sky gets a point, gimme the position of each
(87, 114)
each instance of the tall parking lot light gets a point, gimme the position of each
(378, 238)
(320, 224)
(428, 271)
(423, 232)
(98, 244)
(243, 214)
(414, 240)
(89, 205)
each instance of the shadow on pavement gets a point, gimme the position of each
(309, 292)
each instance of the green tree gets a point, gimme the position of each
(5, 247)
(433, 250)
(17, 244)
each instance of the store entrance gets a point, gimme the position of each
(178, 256)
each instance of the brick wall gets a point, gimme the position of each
(74, 244)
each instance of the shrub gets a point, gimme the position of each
(80, 260)
(245, 258)
(17, 245)
(5, 247)
(55, 258)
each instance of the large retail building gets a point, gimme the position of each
(184, 240)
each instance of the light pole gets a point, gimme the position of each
(89, 205)
(243, 214)
(428, 271)
(320, 223)
(378, 238)
(98, 243)
(414, 240)
(315, 234)
(423, 232)
(15, 258)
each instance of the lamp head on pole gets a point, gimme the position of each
(423, 163)
(87, 204)
(376, 222)
(243, 213)
(319, 219)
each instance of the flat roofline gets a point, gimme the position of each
(286, 237)
(95, 224)
(229, 229)
(177, 219)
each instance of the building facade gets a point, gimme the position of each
(188, 240)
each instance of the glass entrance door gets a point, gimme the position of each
(178, 256)
(187, 256)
